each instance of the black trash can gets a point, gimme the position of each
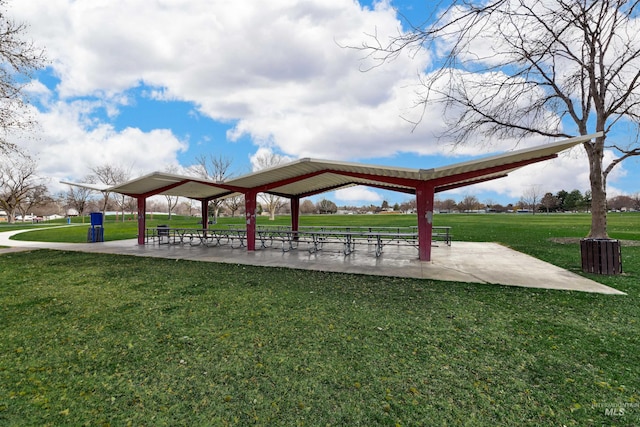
(601, 256)
(163, 233)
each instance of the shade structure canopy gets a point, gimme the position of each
(307, 177)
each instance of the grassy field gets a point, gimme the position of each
(93, 339)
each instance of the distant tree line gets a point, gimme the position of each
(535, 202)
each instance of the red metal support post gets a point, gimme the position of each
(424, 202)
(142, 220)
(250, 207)
(295, 216)
(295, 213)
(204, 207)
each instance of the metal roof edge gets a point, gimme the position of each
(565, 143)
(95, 187)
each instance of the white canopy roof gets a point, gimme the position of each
(307, 176)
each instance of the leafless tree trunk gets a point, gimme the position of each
(214, 169)
(553, 68)
(77, 197)
(307, 207)
(38, 195)
(636, 201)
(172, 201)
(469, 203)
(111, 175)
(272, 202)
(17, 182)
(234, 204)
(531, 198)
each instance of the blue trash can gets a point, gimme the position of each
(96, 219)
(96, 232)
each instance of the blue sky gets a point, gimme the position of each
(150, 85)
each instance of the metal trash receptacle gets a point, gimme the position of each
(95, 234)
(96, 219)
(163, 233)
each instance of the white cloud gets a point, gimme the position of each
(357, 194)
(277, 67)
(67, 145)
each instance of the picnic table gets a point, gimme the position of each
(235, 237)
(317, 237)
(286, 239)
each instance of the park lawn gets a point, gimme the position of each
(93, 339)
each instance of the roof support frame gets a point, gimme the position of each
(467, 183)
(159, 190)
(424, 205)
(424, 183)
(488, 171)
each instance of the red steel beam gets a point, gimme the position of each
(466, 183)
(142, 220)
(405, 182)
(308, 193)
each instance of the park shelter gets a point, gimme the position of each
(307, 177)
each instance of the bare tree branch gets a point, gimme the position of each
(213, 168)
(512, 69)
(19, 59)
(18, 183)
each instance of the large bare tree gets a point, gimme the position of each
(469, 203)
(78, 197)
(37, 197)
(172, 201)
(519, 68)
(234, 204)
(18, 182)
(213, 168)
(531, 197)
(111, 175)
(19, 59)
(264, 160)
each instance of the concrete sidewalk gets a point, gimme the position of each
(462, 262)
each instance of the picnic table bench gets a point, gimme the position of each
(286, 239)
(316, 237)
(236, 238)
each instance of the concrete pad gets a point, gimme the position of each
(462, 262)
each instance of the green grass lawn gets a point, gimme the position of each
(91, 339)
